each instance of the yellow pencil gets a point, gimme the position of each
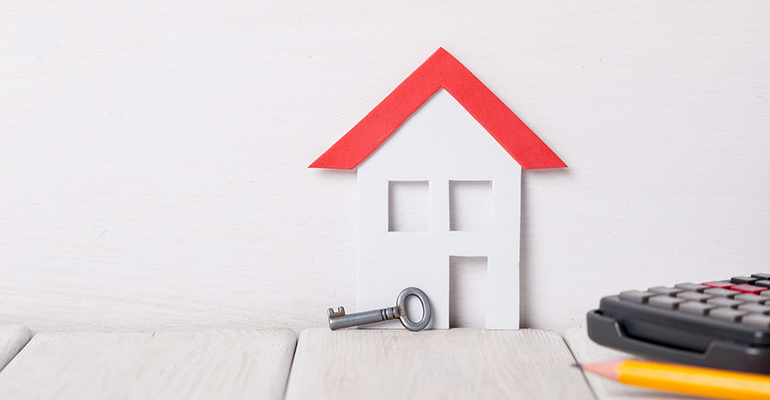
(704, 382)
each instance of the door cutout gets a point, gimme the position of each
(467, 292)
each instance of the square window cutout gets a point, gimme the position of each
(408, 206)
(471, 206)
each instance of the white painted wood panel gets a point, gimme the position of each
(451, 364)
(586, 351)
(153, 155)
(234, 364)
(12, 339)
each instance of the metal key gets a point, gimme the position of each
(338, 319)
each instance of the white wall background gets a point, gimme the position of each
(153, 155)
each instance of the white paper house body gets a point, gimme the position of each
(439, 129)
(439, 143)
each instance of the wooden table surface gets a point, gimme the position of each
(346, 364)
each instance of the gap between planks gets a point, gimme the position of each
(12, 339)
(586, 351)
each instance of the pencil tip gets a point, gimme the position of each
(605, 369)
(577, 365)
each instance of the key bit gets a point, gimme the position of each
(336, 314)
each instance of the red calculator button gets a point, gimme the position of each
(719, 284)
(746, 288)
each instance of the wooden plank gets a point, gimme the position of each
(447, 364)
(12, 339)
(586, 351)
(234, 364)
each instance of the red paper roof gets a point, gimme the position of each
(441, 70)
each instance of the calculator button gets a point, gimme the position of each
(751, 298)
(724, 302)
(744, 288)
(756, 321)
(665, 290)
(754, 308)
(636, 296)
(695, 287)
(718, 284)
(762, 283)
(761, 276)
(665, 302)
(743, 279)
(695, 296)
(696, 308)
(722, 293)
(727, 314)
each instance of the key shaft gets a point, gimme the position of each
(363, 318)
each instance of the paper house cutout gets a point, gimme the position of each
(440, 127)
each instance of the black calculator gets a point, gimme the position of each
(717, 324)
